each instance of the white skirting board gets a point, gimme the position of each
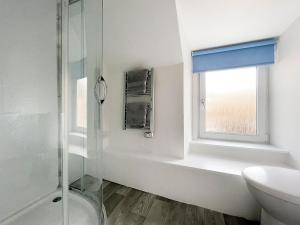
(226, 193)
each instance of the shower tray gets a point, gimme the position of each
(49, 210)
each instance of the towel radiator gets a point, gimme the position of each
(139, 95)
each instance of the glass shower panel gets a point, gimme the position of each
(83, 113)
(29, 139)
(93, 163)
(50, 60)
(77, 93)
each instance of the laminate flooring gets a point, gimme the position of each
(128, 206)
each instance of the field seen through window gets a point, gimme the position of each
(231, 101)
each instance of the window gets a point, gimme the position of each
(81, 103)
(233, 104)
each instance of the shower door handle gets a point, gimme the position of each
(100, 89)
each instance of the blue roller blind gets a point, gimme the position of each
(233, 56)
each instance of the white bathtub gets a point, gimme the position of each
(47, 212)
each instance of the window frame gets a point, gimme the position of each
(261, 107)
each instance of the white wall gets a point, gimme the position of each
(168, 134)
(285, 93)
(187, 78)
(28, 103)
(143, 34)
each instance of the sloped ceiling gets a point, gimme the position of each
(141, 32)
(145, 32)
(210, 23)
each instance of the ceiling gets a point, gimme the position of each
(211, 23)
(146, 32)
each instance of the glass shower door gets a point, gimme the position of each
(82, 171)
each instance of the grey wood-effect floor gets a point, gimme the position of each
(128, 206)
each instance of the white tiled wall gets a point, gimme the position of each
(28, 103)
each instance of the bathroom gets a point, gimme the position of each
(118, 112)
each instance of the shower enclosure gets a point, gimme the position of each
(50, 112)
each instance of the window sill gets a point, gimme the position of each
(196, 162)
(77, 134)
(235, 144)
(260, 153)
(77, 144)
